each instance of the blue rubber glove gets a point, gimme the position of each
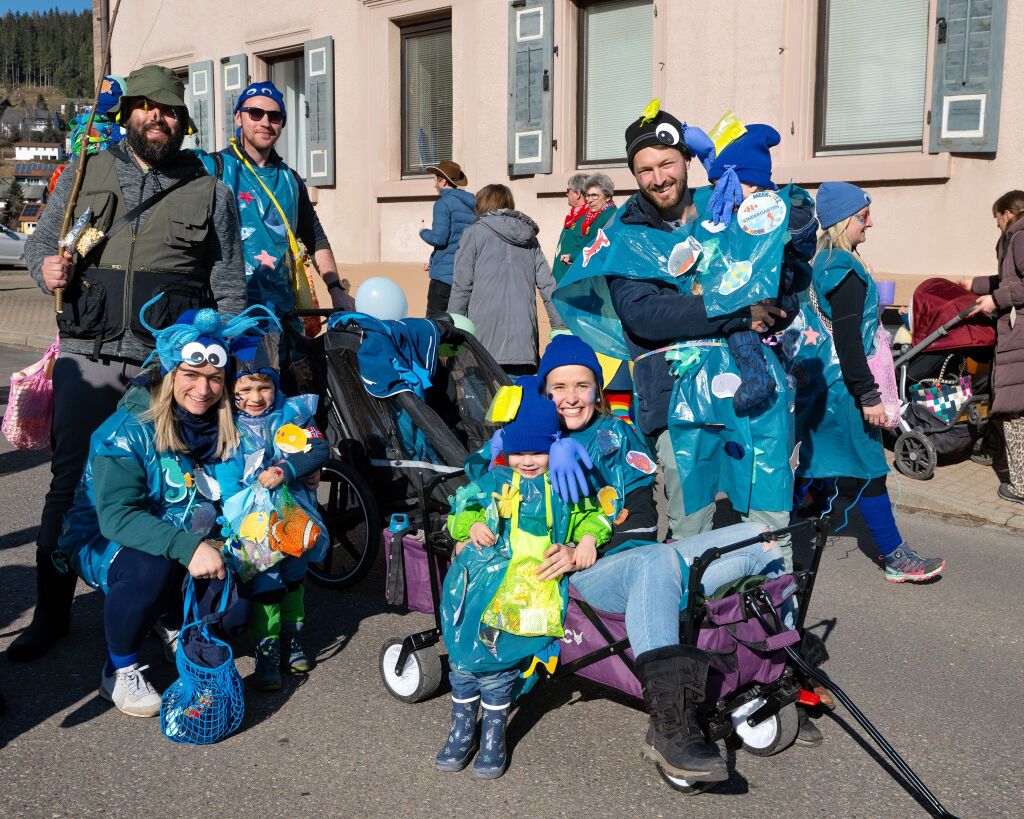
(567, 478)
(728, 194)
(497, 444)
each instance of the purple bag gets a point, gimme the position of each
(582, 638)
(742, 652)
(408, 573)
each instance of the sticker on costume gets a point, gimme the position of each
(175, 484)
(711, 227)
(207, 485)
(724, 385)
(291, 439)
(794, 458)
(683, 257)
(641, 461)
(606, 497)
(736, 276)
(253, 464)
(608, 441)
(762, 212)
(247, 232)
(601, 241)
(314, 432)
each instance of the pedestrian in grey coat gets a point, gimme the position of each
(499, 266)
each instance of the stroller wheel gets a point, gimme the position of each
(769, 736)
(350, 512)
(690, 787)
(421, 676)
(914, 455)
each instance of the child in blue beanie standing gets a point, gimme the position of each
(499, 614)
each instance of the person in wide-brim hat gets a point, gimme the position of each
(451, 171)
(157, 84)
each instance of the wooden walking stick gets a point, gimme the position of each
(69, 211)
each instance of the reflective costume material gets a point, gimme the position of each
(835, 439)
(177, 491)
(476, 574)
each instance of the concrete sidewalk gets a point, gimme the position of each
(964, 490)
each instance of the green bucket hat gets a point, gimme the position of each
(159, 84)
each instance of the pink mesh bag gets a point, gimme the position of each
(29, 416)
(880, 363)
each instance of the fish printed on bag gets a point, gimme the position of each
(641, 461)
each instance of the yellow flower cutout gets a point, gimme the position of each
(507, 501)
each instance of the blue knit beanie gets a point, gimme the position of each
(262, 89)
(535, 426)
(751, 156)
(564, 351)
(256, 355)
(838, 200)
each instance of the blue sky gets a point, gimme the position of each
(43, 5)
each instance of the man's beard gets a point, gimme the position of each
(679, 190)
(154, 153)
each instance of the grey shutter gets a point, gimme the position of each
(530, 70)
(200, 88)
(234, 77)
(319, 62)
(968, 75)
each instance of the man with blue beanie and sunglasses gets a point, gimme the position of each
(272, 201)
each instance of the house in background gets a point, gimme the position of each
(907, 99)
(26, 151)
(30, 216)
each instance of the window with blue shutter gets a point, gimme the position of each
(234, 77)
(968, 75)
(530, 77)
(319, 82)
(200, 89)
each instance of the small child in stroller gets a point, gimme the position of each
(280, 448)
(497, 615)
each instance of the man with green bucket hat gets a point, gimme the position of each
(167, 227)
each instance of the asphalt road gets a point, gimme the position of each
(938, 668)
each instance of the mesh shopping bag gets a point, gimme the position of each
(206, 702)
(29, 416)
(883, 369)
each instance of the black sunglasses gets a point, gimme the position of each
(257, 114)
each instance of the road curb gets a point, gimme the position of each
(912, 502)
(32, 341)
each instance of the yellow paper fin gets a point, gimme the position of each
(505, 405)
(728, 129)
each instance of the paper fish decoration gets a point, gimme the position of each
(255, 526)
(291, 439)
(642, 461)
(606, 497)
(293, 534)
(738, 274)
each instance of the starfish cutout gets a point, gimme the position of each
(106, 87)
(266, 259)
(246, 197)
(811, 336)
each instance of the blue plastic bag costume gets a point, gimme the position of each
(748, 457)
(178, 490)
(260, 446)
(835, 439)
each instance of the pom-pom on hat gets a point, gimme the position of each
(201, 337)
(657, 127)
(566, 351)
(262, 89)
(838, 200)
(535, 426)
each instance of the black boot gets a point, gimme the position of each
(673, 681)
(52, 618)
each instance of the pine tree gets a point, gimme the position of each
(15, 202)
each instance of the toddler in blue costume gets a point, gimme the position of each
(280, 446)
(498, 616)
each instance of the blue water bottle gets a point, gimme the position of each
(399, 521)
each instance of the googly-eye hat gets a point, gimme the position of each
(262, 89)
(657, 127)
(201, 337)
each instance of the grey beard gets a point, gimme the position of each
(154, 154)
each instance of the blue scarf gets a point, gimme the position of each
(199, 433)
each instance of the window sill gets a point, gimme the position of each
(407, 189)
(863, 168)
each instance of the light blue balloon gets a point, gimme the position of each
(383, 299)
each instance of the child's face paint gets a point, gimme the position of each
(529, 464)
(573, 388)
(253, 396)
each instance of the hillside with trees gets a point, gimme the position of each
(52, 48)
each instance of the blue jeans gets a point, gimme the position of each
(494, 688)
(646, 583)
(758, 559)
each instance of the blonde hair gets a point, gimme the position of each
(165, 425)
(836, 238)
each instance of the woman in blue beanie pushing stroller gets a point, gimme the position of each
(839, 411)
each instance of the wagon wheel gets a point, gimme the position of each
(353, 522)
(914, 455)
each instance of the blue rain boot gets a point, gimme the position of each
(492, 759)
(756, 382)
(461, 744)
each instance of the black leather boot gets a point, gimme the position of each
(51, 619)
(673, 681)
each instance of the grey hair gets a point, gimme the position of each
(578, 183)
(602, 181)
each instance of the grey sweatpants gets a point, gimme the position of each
(85, 394)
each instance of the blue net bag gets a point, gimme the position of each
(206, 702)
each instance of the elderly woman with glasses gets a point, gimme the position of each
(598, 212)
(569, 240)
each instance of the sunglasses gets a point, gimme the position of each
(257, 114)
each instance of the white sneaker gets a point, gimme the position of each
(130, 691)
(169, 637)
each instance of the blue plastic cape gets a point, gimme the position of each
(835, 439)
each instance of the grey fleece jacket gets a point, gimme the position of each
(499, 266)
(223, 247)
